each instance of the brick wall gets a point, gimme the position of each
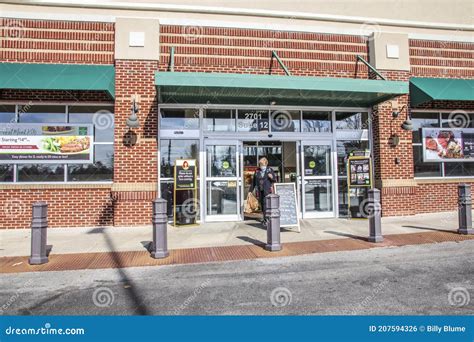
(428, 59)
(234, 50)
(441, 59)
(44, 41)
(50, 41)
(67, 207)
(135, 163)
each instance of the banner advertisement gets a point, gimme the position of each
(40, 143)
(448, 144)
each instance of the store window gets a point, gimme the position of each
(179, 119)
(170, 150)
(7, 115)
(102, 119)
(286, 121)
(352, 120)
(344, 148)
(314, 121)
(219, 120)
(438, 169)
(253, 120)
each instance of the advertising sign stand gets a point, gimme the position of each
(185, 192)
(288, 205)
(359, 176)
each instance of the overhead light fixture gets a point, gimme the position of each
(132, 121)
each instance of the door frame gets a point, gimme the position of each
(332, 178)
(237, 178)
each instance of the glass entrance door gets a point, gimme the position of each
(222, 180)
(317, 179)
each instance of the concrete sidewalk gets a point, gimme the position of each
(93, 240)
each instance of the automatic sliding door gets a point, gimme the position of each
(222, 190)
(317, 179)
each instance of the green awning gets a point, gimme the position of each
(58, 77)
(424, 90)
(190, 87)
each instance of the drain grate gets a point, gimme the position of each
(83, 261)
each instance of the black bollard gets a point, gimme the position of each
(39, 230)
(160, 229)
(272, 203)
(465, 209)
(375, 216)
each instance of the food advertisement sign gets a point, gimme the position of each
(40, 143)
(185, 174)
(448, 144)
(359, 171)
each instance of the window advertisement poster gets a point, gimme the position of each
(38, 143)
(359, 172)
(185, 174)
(185, 192)
(448, 144)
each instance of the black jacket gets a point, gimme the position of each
(262, 183)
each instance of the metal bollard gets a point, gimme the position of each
(375, 216)
(160, 229)
(272, 204)
(465, 209)
(39, 230)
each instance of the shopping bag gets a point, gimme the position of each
(247, 209)
(252, 202)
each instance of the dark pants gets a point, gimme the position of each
(263, 206)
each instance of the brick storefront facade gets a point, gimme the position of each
(212, 49)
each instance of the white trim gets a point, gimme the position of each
(237, 11)
(369, 25)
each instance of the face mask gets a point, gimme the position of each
(263, 168)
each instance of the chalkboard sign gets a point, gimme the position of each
(288, 205)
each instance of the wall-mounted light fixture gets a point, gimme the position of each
(407, 125)
(132, 121)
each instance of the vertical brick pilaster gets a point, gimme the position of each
(135, 162)
(394, 164)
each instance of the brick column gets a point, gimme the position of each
(394, 173)
(135, 164)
